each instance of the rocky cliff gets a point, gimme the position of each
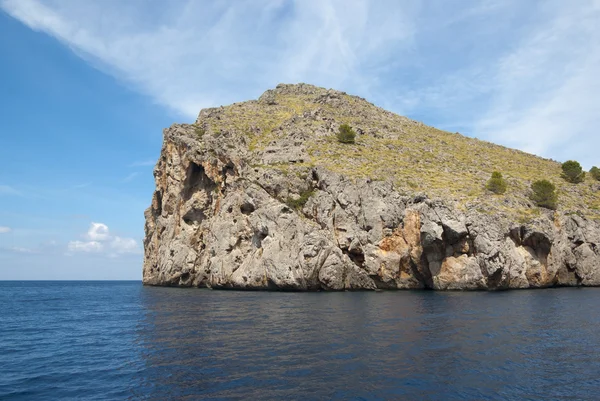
(260, 195)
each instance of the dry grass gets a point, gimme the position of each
(416, 157)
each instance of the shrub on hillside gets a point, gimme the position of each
(573, 172)
(299, 202)
(199, 131)
(346, 134)
(544, 194)
(496, 184)
(595, 172)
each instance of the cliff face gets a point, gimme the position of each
(259, 195)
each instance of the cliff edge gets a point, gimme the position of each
(261, 195)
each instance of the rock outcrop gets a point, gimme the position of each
(229, 212)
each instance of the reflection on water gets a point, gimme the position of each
(115, 341)
(392, 345)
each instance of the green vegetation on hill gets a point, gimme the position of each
(200, 132)
(298, 203)
(414, 156)
(346, 134)
(572, 172)
(496, 184)
(544, 194)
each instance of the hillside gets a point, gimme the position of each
(298, 123)
(261, 195)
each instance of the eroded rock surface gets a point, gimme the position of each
(223, 217)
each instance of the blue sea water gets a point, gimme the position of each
(123, 341)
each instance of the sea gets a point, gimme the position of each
(122, 341)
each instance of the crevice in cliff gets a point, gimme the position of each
(471, 242)
(566, 274)
(433, 255)
(363, 224)
(158, 205)
(423, 275)
(258, 238)
(315, 178)
(356, 256)
(228, 170)
(383, 285)
(494, 281)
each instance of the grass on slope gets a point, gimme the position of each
(417, 158)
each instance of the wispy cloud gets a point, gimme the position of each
(22, 250)
(120, 245)
(520, 73)
(191, 54)
(547, 90)
(535, 89)
(29, 246)
(130, 177)
(4, 229)
(8, 190)
(81, 246)
(144, 163)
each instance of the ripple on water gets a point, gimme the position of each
(119, 340)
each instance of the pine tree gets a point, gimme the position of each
(573, 172)
(346, 134)
(496, 184)
(544, 194)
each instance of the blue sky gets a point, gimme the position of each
(88, 86)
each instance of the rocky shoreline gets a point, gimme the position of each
(221, 220)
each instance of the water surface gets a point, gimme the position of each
(120, 340)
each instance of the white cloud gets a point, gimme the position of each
(88, 247)
(100, 241)
(532, 85)
(190, 54)
(546, 91)
(4, 229)
(98, 232)
(523, 74)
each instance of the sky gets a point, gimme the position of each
(86, 88)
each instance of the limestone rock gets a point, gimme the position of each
(227, 215)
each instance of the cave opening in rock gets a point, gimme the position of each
(228, 170)
(247, 208)
(258, 238)
(196, 180)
